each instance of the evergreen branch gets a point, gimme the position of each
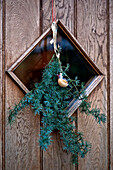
(51, 100)
(13, 112)
(85, 107)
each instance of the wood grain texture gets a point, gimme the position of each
(89, 23)
(55, 158)
(111, 80)
(64, 12)
(21, 140)
(1, 58)
(92, 35)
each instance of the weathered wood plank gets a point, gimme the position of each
(1, 72)
(55, 158)
(111, 79)
(22, 28)
(64, 12)
(92, 35)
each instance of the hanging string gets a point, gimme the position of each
(53, 11)
(61, 81)
(54, 26)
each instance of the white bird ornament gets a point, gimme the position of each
(61, 81)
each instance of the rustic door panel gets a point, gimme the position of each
(22, 23)
(22, 28)
(92, 35)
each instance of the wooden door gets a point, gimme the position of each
(22, 22)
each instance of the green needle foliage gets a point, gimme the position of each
(51, 100)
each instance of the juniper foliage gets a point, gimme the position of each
(51, 100)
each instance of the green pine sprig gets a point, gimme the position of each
(50, 100)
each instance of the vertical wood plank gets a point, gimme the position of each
(55, 158)
(1, 58)
(111, 79)
(92, 35)
(21, 140)
(64, 12)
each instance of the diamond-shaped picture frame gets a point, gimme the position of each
(37, 56)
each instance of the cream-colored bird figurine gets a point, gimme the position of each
(61, 81)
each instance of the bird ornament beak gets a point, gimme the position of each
(61, 81)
